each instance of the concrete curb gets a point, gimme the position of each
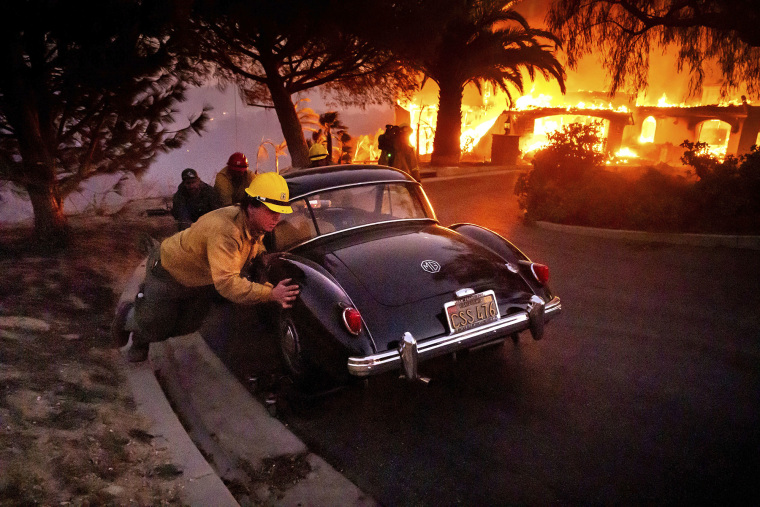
(201, 484)
(454, 172)
(708, 240)
(230, 426)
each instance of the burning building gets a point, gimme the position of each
(640, 129)
(499, 133)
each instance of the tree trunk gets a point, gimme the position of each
(448, 130)
(289, 123)
(38, 175)
(39, 180)
(36, 143)
(50, 223)
(328, 134)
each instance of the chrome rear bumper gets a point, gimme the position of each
(413, 352)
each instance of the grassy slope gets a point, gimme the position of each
(69, 431)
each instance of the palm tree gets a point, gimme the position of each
(263, 154)
(478, 41)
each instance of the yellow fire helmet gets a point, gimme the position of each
(317, 151)
(271, 189)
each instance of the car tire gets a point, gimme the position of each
(291, 350)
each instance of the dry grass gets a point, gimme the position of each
(69, 432)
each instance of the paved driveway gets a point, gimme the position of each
(645, 391)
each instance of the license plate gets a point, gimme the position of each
(472, 311)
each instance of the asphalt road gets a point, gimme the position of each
(646, 390)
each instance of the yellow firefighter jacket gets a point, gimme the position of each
(214, 250)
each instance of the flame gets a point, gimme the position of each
(472, 135)
(717, 152)
(648, 128)
(543, 127)
(533, 145)
(423, 118)
(543, 101)
(480, 119)
(716, 134)
(531, 102)
(663, 102)
(626, 153)
(366, 149)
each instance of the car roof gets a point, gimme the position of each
(306, 181)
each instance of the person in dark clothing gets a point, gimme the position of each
(386, 144)
(193, 199)
(404, 156)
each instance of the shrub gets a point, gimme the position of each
(572, 154)
(727, 193)
(660, 202)
(569, 185)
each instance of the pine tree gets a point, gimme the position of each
(87, 87)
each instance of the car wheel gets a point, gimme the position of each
(307, 377)
(292, 352)
(119, 335)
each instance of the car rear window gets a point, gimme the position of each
(344, 208)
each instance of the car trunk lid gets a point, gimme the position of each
(413, 264)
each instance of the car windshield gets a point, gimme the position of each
(344, 208)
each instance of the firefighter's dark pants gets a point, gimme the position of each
(165, 307)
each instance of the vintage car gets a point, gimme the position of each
(384, 285)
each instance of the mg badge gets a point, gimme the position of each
(431, 266)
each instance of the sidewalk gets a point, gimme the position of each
(450, 172)
(235, 433)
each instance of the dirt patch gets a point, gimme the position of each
(69, 431)
(276, 475)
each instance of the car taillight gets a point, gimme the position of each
(541, 272)
(352, 319)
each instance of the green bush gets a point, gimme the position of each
(568, 184)
(727, 193)
(557, 170)
(660, 202)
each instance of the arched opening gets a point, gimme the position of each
(715, 133)
(648, 128)
(542, 127)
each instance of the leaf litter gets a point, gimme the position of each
(69, 429)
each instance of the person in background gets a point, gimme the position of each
(233, 179)
(318, 155)
(385, 143)
(193, 199)
(404, 157)
(188, 269)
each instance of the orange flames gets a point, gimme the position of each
(640, 138)
(475, 124)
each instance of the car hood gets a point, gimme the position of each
(401, 265)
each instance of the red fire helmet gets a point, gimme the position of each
(237, 162)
